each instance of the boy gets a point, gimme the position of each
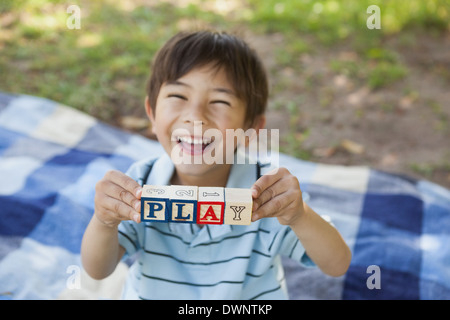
(202, 81)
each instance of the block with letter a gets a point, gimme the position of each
(210, 206)
(238, 206)
(155, 203)
(183, 204)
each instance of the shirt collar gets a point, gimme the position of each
(162, 171)
(241, 175)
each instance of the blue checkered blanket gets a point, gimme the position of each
(51, 157)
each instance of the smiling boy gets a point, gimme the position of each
(205, 82)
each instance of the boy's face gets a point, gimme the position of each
(191, 119)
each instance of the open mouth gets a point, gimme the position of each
(193, 145)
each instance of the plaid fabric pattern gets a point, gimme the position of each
(51, 157)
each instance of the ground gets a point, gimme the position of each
(340, 93)
(402, 128)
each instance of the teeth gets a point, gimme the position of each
(190, 140)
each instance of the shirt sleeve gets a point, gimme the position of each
(282, 240)
(129, 237)
(292, 247)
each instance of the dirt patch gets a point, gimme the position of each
(402, 128)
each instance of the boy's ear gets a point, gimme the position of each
(260, 122)
(149, 111)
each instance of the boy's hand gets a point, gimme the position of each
(117, 198)
(277, 194)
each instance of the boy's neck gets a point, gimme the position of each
(214, 179)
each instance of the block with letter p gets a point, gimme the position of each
(210, 206)
(183, 204)
(155, 203)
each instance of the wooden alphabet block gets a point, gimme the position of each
(183, 204)
(238, 206)
(210, 206)
(155, 203)
(191, 204)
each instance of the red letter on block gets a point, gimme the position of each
(210, 206)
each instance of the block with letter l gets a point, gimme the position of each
(155, 203)
(210, 206)
(183, 203)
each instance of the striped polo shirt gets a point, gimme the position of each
(183, 261)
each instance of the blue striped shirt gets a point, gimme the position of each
(183, 261)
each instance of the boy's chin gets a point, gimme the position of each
(193, 164)
(195, 170)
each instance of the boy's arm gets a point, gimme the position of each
(323, 243)
(117, 198)
(100, 249)
(278, 194)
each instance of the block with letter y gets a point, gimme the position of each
(155, 203)
(183, 204)
(238, 206)
(210, 206)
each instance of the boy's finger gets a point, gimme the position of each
(117, 192)
(264, 182)
(121, 210)
(125, 182)
(276, 206)
(268, 194)
(270, 208)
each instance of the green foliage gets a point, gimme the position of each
(333, 20)
(384, 74)
(106, 62)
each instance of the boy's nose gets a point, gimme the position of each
(196, 113)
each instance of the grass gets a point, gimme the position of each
(104, 63)
(332, 20)
(107, 61)
(102, 68)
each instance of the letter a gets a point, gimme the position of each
(374, 21)
(74, 20)
(210, 213)
(374, 281)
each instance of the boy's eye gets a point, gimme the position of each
(221, 101)
(178, 96)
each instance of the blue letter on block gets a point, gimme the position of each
(154, 209)
(183, 211)
(153, 206)
(180, 211)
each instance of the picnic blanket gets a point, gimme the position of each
(51, 157)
